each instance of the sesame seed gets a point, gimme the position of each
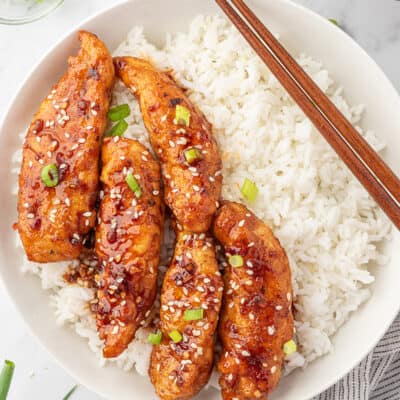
(251, 316)
(241, 223)
(271, 330)
(196, 188)
(89, 127)
(249, 264)
(67, 135)
(30, 215)
(171, 143)
(67, 201)
(155, 192)
(196, 332)
(249, 283)
(249, 272)
(278, 308)
(163, 118)
(251, 244)
(211, 179)
(273, 369)
(38, 139)
(115, 329)
(289, 296)
(87, 214)
(41, 161)
(245, 353)
(81, 140)
(74, 146)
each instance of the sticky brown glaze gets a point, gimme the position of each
(180, 370)
(256, 319)
(191, 191)
(128, 239)
(65, 131)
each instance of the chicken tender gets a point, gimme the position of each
(190, 304)
(182, 139)
(256, 319)
(128, 239)
(58, 182)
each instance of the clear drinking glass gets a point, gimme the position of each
(15, 12)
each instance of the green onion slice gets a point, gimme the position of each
(236, 261)
(182, 115)
(193, 314)
(155, 338)
(289, 347)
(5, 378)
(192, 155)
(175, 336)
(249, 190)
(133, 185)
(118, 129)
(334, 21)
(118, 112)
(69, 394)
(49, 175)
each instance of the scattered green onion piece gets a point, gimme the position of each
(133, 185)
(334, 21)
(192, 155)
(118, 112)
(193, 314)
(5, 378)
(249, 190)
(175, 336)
(50, 175)
(182, 115)
(69, 394)
(236, 261)
(289, 347)
(118, 129)
(155, 338)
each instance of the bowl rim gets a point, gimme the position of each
(81, 25)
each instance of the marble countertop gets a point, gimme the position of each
(374, 24)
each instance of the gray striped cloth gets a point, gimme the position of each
(377, 377)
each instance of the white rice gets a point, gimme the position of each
(330, 227)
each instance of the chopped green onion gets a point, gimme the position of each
(192, 155)
(133, 185)
(236, 261)
(155, 338)
(249, 190)
(193, 314)
(118, 112)
(175, 336)
(50, 175)
(118, 129)
(69, 394)
(182, 115)
(289, 347)
(334, 21)
(5, 378)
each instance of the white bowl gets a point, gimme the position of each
(301, 31)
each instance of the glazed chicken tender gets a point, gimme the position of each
(181, 138)
(190, 303)
(59, 175)
(128, 240)
(256, 319)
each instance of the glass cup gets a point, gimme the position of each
(15, 12)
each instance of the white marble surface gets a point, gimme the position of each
(375, 24)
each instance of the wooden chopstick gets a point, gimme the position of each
(372, 172)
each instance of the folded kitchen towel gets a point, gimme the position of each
(377, 377)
